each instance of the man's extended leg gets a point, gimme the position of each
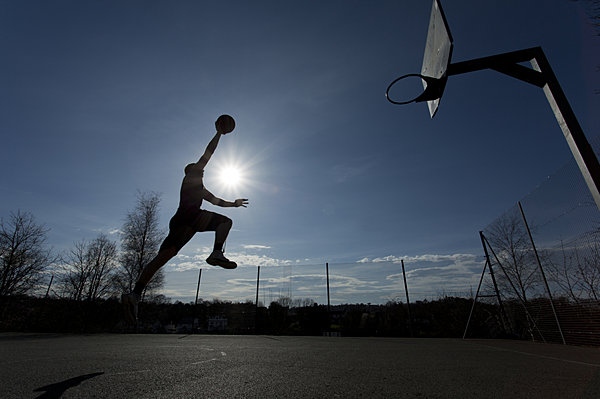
(130, 301)
(175, 240)
(163, 256)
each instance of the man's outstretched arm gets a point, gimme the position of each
(224, 124)
(210, 197)
(210, 150)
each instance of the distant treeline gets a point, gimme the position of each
(446, 317)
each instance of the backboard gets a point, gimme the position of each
(438, 52)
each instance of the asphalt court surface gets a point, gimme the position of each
(206, 366)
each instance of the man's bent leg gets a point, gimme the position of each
(217, 258)
(221, 234)
(220, 224)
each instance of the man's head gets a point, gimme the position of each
(192, 168)
(225, 124)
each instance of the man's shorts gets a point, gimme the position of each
(183, 225)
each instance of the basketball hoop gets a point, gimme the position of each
(433, 88)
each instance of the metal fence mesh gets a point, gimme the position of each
(374, 282)
(545, 255)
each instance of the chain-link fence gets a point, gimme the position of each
(544, 255)
(375, 281)
(426, 296)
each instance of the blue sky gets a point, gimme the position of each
(101, 99)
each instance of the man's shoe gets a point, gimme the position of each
(130, 307)
(218, 259)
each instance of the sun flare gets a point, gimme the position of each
(230, 176)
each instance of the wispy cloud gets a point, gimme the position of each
(256, 246)
(111, 232)
(346, 172)
(426, 273)
(184, 262)
(418, 258)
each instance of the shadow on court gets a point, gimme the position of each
(179, 366)
(53, 391)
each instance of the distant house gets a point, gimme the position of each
(186, 325)
(170, 328)
(218, 323)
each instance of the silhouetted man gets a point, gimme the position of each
(190, 219)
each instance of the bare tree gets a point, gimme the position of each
(23, 254)
(75, 271)
(510, 242)
(302, 302)
(141, 238)
(90, 269)
(284, 301)
(563, 270)
(592, 9)
(103, 256)
(589, 271)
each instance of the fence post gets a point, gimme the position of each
(328, 301)
(257, 285)
(407, 300)
(505, 322)
(543, 274)
(256, 303)
(521, 299)
(198, 288)
(475, 300)
(49, 285)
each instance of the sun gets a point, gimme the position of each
(230, 176)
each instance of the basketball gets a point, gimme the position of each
(225, 124)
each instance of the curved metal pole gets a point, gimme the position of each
(543, 76)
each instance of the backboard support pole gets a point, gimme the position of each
(543, 76)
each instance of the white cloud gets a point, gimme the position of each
(441, 273)
(417, 258)
(256, 246)
(440, 258)
(348, 172)
(184, 266)
(257, 260)
(184, 262)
